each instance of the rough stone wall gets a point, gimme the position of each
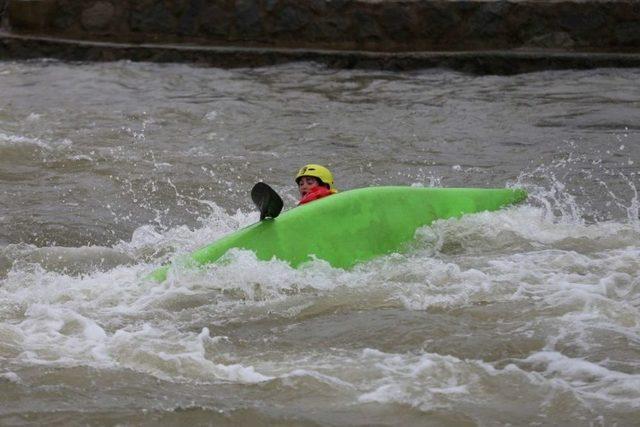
(378, 25)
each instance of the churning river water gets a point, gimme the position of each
(529, 315)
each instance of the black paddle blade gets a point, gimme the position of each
(266, 200)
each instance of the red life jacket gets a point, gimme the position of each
(317, 193)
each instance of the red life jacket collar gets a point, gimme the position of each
(315, 194)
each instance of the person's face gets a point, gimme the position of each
(306, 184)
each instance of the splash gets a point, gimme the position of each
(571, 187)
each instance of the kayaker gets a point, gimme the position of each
(314, 182)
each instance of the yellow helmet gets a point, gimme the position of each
(317, 171)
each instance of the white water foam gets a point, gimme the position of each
(66, 321)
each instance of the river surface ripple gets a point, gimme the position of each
(530, 315)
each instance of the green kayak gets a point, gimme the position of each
(352, 226)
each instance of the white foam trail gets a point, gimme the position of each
(326, 379)
(47, 329)
(430, 381)
(588, 379)
(18, 141)
(11, 377)
(426, 382)
(146, 350)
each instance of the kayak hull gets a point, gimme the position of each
(353, 226)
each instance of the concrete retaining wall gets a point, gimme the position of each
(480, 36)
(387, 25)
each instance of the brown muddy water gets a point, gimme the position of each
(527, 316)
